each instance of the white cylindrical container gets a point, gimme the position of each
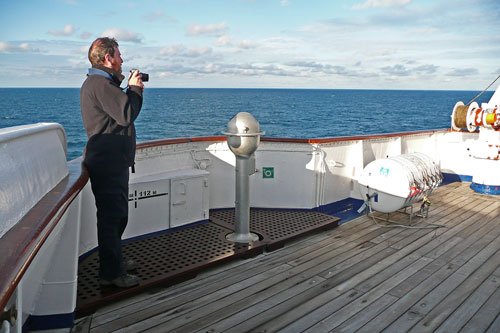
(397, 182)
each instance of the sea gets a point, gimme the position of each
(282, 113)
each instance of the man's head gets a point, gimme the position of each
(104, 51)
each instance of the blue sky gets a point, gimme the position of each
(335, 44)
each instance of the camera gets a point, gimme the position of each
(144, 76)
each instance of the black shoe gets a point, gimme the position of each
(129, 264)
(124, 281)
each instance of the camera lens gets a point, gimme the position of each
(144, 77)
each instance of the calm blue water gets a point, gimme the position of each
(174, 113)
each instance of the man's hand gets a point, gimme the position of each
(135, 79)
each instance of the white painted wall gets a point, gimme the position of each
(33, 161)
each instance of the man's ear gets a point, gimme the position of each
(107, 60)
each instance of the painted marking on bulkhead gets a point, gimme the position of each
(145, 194)
(268, 172)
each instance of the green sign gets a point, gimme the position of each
(268, 172)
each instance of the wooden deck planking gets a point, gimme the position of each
(368, 313)
(467, 310)
(485, 315)
(294, 275)
(433, 275)
(357, 276)
(465, 280)
(430, 277)
(279, 319)
(229, 280)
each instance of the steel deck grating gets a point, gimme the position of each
(177, 255)
(161, 260)
(278, 226)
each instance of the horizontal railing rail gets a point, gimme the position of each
(20, 245)
(164, 142)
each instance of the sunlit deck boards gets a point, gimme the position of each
(356, 277)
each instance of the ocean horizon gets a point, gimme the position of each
(281, 112)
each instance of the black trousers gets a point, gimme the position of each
(111, 198)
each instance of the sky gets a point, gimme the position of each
(303, 44)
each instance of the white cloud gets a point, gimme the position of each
(463, 72)
(285, 3)
(253, 70)
(427, 69)
(327, 69)
(154, 16)
(223, 40)
(23, 47)
(182, 51)
(196, 29)
(423, 31)
(123, 35)
(158, 15)
(86, 35)
(68, 30)
(78, 63)
(228, 69)
(226, 40)
(309, 64)
(396, 70)
(173, 50)
(382, 3)
(198, 52)
(295, 69)
(247, 44)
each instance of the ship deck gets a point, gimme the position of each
(359, 276)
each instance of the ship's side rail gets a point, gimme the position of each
(25, 241)
(37, 193)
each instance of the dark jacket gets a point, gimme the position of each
(108, 116)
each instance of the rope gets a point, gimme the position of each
(498, 77)
(461, 115)
(397, 225)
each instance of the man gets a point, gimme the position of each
(108, 115)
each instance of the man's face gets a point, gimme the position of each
(116, 61)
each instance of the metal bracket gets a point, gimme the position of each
(423, 211)
(9, 315)
(366, 203)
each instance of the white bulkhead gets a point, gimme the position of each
(167, 200)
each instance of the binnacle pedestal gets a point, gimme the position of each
(243, 138)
